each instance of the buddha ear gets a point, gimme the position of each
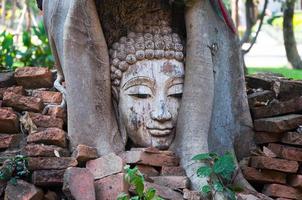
(121, 124)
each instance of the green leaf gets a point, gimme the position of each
(225, 166)
(206, 189)
(8, 41)
(218, 186)
(204, 171)
(230, 194)
(122, 196)
(135, 198)
(150, 194)
(203, 156)
(9, 60)
(26, 38)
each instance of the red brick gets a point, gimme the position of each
(23, 103)
(266, 137)
(52, 136)
(46, 121)
(48, 96)
(163, 191)
(276, 190)
(295, 180)
(282, 165)
(48, 178)
(84, 153)
(22, 191)
(263, 175)
(172, 171)
(14, 89)
(173, 182)
(41, 150)
(58, 112)
(105, 166)
(110, 187)
(152, 159)
(79, 184)
(34, 77)
(292, 138)
(278, 124)
(42, 163)
(9, 122)
(147, 170)
(286, 152)
(9, 141)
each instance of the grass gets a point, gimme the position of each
(290, 73)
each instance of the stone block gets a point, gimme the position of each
(278, 124)
(105, 166)
(260, 81)
(9, 121)
(164, 192)
(286, 152)
(46, 121)
(263, 175)
(9, 140)
(58, 112)
(48, 178)
(48, 96)
(152, 159)
(15, 89)
(260, 97)
(276, 190)
(277, 108)
(34, 77)
(293, 138)
(147, 170)
(289, 89)
(295, 180)
(43, 163)
(266, 137)
(261, 162)
(22, 103)
(51, 136)
(173, 182)
(83, 153)
(191, 195)
(23, 191)
(41, 150)
(108, 188)
(7, 79)
(172, 171)
(79, 184)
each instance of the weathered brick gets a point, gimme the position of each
(278, 124)
(7, 79)
(292, 138)
(173, 182)
(15, 89)
(163, 191)
(282, 165)
(110, 187)
(50, 195)
(260, 97)
(58, 112)
(9, 122)
(9, 140)
(84, 153)
(266, 137)
(22, 191)
(46, 121)
(277, 108)
(147, 170)
(22, 103)
(48, 178)
(286, 152)
(289, 89)
(51, 136)
(152, 159)
(172, 171)
(263, 175)
(48, 96)
(276, 190)
(42, 163)
(41, 150)
(79, 184)
(295, 180)
(34, 77)
(105, 166)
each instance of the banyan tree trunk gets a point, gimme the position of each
(289, 36)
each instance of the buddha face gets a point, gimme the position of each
(150, 97)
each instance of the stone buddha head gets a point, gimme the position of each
(147, 74)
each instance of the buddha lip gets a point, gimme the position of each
(157, 132)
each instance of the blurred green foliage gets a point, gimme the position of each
(295, 74)
(32, 49)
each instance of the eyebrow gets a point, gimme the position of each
(140, 80)
(175, 81)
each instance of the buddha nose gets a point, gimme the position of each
(161, 113)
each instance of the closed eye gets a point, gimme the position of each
(140, 96)
(177, 95)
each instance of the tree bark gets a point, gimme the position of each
(289, 36)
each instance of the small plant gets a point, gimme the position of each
(7, 51)
(14, 168)
(220, 171)
(136, 179)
